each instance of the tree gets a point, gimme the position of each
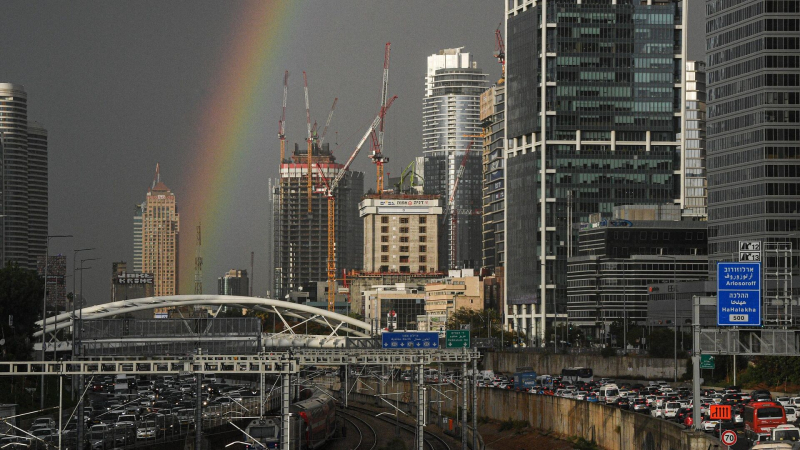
(482, 323)
(21, 292)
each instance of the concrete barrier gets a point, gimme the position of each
(627, 367)
(612, 428)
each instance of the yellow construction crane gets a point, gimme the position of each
(330, 193)
(282, 122)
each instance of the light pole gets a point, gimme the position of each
(675, 304)
(74, 291)
(44, 308)
(80, 311)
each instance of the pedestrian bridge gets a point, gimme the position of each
(336, 325)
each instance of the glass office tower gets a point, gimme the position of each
(594, 109)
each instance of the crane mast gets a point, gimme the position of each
(331, 194)
(328, 122)
(377, 146)
(308, 126)
(282, 122)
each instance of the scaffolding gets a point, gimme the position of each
(300, 237)
(778, 284)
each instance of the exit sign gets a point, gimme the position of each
(707, 362)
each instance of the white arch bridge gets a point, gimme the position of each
(337, 326)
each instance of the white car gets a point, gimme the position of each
(784, 401)
(791, 414)
(709, 425)
(580, 396)
(657, 411)
(671, 410)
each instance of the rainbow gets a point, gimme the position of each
(220, 150)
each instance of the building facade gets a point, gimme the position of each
(593, 119)
(695, 186)
(619, 259)
(56, 281)
(234, 282)
(401, 233)
(159, 224)
(24, 180)
(450, 124)
(301, 237)
(398, 305)
(753, 137)
(494, 188)
(462, 289)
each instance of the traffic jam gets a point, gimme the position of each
(755, 418)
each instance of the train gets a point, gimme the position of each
(312, 423)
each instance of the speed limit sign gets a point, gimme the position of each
(728, 437)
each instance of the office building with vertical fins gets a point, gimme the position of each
(494, 188)
(24, 180)
(301, 237)
(450, 122)
(695, 184)
(156, 227)
(593, 115)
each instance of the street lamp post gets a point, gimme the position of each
(44, 308)
(74, 292)
(75, 330)
(675, 305)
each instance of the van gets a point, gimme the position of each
(608, 394)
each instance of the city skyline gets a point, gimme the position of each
(138, 86)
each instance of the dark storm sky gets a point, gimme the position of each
(122, 85)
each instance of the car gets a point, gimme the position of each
(147, 430)
(657, 411)
(709, 426)
(621, 403)
(784, 401)
(791, 414)
(670, 410)
(44, 422)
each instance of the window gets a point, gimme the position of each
(384, 248)
(384, 229)
(384, 268)
(423, 239)
(423, 248)
(423, 230)
(404, 220)
(385, 219)
(384, 258)
(423, 219)
(404, 239)
(404, 249)
(404, 259)
(404, 229)
(423, 258)
(423, 269)
(405, 269)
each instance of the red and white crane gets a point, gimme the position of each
(377, 138)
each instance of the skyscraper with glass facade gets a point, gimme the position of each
(594, 107)
(450, 123)
(695, 186)
(753, 74)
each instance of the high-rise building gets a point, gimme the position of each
(234, 282)
(450, 122)
(695, 182)
(300, 236)
(753, 137)
(594, 107)
(56, 281)
(24, 184)
(401, 233)
(494, 188)
(159, 229)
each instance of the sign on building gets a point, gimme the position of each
(739, 294)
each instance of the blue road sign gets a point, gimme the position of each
(739, 294)
(425, 340)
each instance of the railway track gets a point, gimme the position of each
(352, 419)
(433, 441)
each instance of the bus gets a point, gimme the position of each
(575, 374)
(761, 417)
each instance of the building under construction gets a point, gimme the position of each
(300, 236)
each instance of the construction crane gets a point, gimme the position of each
(330, 193)
(308, 140)
(282, 122)
(377, 140)
(500, 50)
(328, 122)
(452, 210)
(410, 170)
(198, 264)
